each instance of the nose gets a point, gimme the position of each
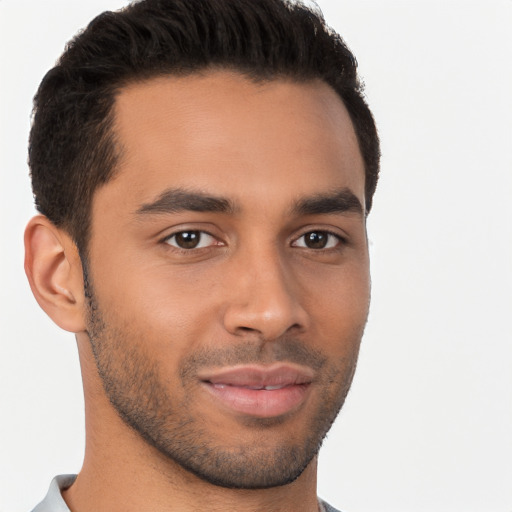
(264, 298)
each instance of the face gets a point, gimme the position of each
(228, 272)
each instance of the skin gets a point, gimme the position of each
(252, 292)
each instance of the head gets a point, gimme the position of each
(213, 162)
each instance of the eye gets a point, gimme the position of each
(191, 240)
(318, 240)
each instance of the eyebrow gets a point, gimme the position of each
(179, 200)
(340, 201)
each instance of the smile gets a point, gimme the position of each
(259, 391)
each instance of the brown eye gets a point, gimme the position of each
(317, 240)
(190, 240)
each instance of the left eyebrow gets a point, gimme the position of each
(341, 201)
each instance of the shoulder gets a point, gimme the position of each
(53, 501)
(327, 508)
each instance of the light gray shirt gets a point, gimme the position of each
(53, 501)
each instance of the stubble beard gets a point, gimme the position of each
(134, 386)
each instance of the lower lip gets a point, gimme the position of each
(261, 403)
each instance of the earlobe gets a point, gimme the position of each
(54, 271)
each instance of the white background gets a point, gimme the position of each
(428, 423)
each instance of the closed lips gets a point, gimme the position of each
(260, 391)
(260, 377)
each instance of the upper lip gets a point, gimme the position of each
(259, 376)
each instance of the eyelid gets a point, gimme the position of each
(338, 236)
(202, 232)
(183, 227)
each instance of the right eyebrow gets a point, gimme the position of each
(178, 200)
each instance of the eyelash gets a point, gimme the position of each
(201, 233)
(338, 238)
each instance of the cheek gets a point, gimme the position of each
(342, 293)
(338, 306)
(138, 285)
(151, 308)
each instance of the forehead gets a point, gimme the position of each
(246, 140)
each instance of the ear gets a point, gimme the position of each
(54, 271)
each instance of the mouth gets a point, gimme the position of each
(260, 391)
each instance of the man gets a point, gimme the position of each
(203, 169)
